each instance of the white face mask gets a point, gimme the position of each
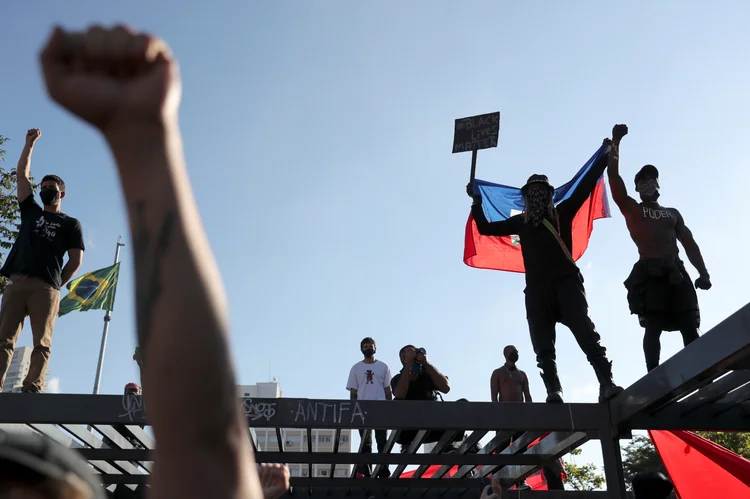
(649, 189)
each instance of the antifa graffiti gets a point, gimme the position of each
(322, 412)
(256, 410)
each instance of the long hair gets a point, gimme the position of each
(534, 210)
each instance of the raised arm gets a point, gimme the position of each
(585, 187)
(127, 85)
(693, 252)
(23, 170)
(628, 206)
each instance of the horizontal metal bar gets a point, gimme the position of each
(144, 455)
(353, 483)
(555, 444)
(302, 413)
(733, 419)
(414, 493)
(708, 357)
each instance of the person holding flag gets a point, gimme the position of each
(660, 290)
(554, 284)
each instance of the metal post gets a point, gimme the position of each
(612, 457)
(107, 317)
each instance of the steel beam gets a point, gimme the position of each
(552, 446)
(710, 356)
(303, 413)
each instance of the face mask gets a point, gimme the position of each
(537, 205)
(649, 190)
(49, 196)
(369, 352)
(513, 357)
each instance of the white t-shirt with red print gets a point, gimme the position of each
(370, 380)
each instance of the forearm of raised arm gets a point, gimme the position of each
(182, 329)
(23, 169)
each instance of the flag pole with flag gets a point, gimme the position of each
(95, 291)
(501, 202)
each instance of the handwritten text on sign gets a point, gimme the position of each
(476, 132)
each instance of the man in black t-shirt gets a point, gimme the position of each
(418, 380)
(34, 268)
(554, 284)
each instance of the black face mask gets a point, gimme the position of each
(369, 352)
(513, 357)
(49, 196)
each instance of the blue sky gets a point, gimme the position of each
(318, 141)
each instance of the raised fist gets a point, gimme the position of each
(111, 77)
(274, 480)
(618, 132)
(32, 135)
(703, 282)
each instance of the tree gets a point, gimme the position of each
(583, 477)
(640, 454)
(9, 214)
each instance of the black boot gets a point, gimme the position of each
(552, 383)
(607, 388)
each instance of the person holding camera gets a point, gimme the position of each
(422, 380)
(418, 380)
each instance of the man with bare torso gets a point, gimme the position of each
(508, 383)
(659, 288)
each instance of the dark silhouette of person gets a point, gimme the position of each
(660, 290)
(554, 284)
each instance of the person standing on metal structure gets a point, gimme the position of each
(370, 379)
(554, 284)
(660, 291)
(35, 270)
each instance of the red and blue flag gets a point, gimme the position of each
(501, 202)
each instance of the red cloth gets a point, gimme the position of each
(499, 253)
(700, 468)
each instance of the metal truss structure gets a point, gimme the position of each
(706, 386)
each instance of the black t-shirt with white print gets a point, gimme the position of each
(43, 240)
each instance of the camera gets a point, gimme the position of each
(417, 368)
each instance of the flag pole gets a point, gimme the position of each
(107, 317)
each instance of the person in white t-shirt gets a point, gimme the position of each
(370, 379)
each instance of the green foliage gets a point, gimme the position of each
(640, 454)
(583, 477)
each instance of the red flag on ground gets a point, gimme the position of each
(700, 468)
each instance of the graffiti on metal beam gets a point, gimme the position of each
(257, 410)
(133, 405)
(318, 412)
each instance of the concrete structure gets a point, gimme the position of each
(19, 368)
(295, 439)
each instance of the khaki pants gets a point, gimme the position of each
(28, 296)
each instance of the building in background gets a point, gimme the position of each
(295, 439)
(19, 368)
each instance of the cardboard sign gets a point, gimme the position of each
(476, 132)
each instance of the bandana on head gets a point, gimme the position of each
(538, 205)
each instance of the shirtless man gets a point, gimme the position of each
(659, 288)
(508, 383)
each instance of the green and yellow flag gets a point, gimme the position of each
(95, 290)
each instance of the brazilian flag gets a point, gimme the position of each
(95, 290)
